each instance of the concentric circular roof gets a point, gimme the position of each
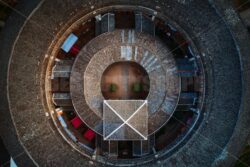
(52, 63)
(109, 48)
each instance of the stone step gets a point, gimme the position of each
(144, 24)
(105, 23)
(62, 99)
(61, 70)
(143, 147)
(186, 68)
(188, 98)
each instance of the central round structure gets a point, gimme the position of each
(125, 80)
(118, 49)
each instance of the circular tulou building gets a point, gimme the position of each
(125, 83)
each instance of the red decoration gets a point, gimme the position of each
(74, 50)
(76, 122)
(89, 135)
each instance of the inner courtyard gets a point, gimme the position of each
(125, 80)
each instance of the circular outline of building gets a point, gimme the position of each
(52, 107)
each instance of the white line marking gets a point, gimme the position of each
(125, 121)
